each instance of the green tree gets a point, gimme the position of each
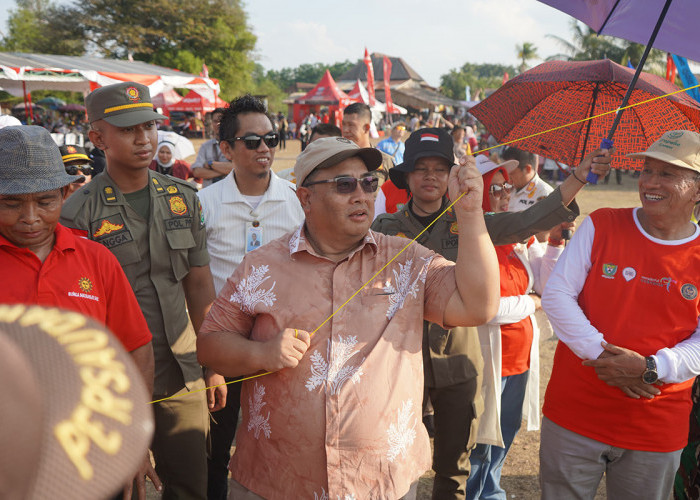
(526, 52)
(181, 34)
(587, 45)
(285, 78)
(42, 27)
(478, 77)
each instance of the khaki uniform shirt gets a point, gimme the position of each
(454, 356)
(155, 255)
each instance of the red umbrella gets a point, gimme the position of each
(556, 93)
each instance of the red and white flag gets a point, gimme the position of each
(370, 79)
(387, 87)
(205, 71)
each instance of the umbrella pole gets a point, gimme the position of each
(588, 122)
(608, 142)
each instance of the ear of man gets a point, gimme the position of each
(226, 150)
(304, 197)
(95, 136)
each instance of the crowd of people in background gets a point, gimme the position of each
(228, 269)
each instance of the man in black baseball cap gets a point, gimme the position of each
(453, 362)
(153, 224)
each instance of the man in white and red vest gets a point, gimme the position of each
(623, 299)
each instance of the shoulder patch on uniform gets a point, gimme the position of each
(110, 196)
(156, 184)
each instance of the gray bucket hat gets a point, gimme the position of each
(30, 161)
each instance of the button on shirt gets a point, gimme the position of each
(78, 275)
(226, 211)
(346, 422)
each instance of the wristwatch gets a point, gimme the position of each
(650, 376)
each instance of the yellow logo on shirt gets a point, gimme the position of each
(171, 189)
(85, 284)
(454, 228)
(178, 205)
(107, 227)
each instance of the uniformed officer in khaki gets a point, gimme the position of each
(153, 224)
(453, 364)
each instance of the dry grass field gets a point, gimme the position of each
(520, 473)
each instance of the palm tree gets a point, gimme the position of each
(526, 52)
(587, 45)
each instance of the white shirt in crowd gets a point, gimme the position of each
(228, 216)
(528, 195)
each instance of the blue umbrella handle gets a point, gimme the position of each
(604, 144)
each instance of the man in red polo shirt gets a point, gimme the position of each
(47, 264)
(623, 300)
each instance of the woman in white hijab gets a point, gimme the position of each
(165, 162)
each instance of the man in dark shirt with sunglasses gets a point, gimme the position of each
(76, 162)
(152, 223)
(251, 204)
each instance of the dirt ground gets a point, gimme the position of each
(520, 473)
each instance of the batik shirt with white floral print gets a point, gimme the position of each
(346, 422)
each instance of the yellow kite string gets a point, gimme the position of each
(428, 226)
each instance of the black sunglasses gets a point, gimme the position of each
(346, 184)
(74, 169)
(252, 141)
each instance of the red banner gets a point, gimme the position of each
(370, 79)
(387, 87)
(670, 69)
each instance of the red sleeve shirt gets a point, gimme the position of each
(78, 275)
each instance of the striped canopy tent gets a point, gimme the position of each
(21, 73)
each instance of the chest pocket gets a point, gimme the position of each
(180, 242)
(112, 232)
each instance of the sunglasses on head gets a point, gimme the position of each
(252, 141)
(346, 184)
(499, 190)
(74, 169)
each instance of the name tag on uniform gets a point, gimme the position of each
(253, 236)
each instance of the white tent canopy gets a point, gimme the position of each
(22, 73)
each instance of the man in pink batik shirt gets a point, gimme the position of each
(340, 416)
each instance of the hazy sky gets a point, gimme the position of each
(433, 37)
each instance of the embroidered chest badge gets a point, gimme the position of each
(454, 228)
(85, 284)
(178, 205)
(171, 189)
(689, 291)
(609, 270)
(107, 227)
